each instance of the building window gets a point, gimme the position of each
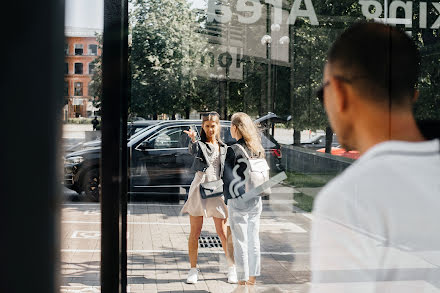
(78, 68)
(93, 49)
(91, 68)
(79, 49)
(66, 49)
(66, 68)
(78, 89)
(90, 90)
(66, 88)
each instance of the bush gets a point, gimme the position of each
(81, 120)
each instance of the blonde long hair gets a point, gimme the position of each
(249, 132)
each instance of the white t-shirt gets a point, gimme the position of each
(376, 227)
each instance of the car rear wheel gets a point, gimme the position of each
(91, 184)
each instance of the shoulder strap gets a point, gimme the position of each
(202, 147)
(244, 151)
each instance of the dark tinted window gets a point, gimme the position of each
(78, 68)
(66, 88)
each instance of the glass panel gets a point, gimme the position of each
(189, 58)
(91, 68)
(78, 68)
(78, 89)
(79, 49)
(257, 57)
(66, 88)
(81, 214)
(93, 49)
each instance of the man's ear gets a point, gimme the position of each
(341, 94)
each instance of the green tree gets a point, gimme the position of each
(162, 42)
(95, 86)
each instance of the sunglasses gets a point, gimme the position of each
(320, 91)
(210, 113)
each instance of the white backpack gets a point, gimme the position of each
(258, 173)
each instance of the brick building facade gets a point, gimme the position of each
(81, 49)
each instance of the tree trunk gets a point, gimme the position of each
(222, 99)
(328, 139)
(296, 137)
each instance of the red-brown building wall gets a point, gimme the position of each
(85, 77)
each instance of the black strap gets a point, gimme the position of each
(202, 146)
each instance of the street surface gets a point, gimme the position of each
(158, 235)
(157, 247)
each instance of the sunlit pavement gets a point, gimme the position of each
(157, 248)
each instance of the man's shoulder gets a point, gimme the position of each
(345, 186)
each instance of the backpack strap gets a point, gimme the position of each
(244, 151)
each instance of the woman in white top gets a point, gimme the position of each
(207, 169)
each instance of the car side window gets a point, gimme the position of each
(225, 135)
(169, 138)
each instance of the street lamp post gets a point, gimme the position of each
(267, 41)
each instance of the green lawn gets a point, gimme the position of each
(304, 201)
(300, 180)
(308, 180)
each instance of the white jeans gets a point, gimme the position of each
(245, 227)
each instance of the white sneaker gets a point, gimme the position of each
(232, 275)
(192, 276)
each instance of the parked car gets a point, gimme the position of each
(132, 129)
(339, 151)
(159, 161)
(318, 141)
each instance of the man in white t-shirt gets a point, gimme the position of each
(376, 226)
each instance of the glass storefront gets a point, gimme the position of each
(264, 58)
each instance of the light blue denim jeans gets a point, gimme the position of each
(244, 219)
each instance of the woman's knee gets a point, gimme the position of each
(194, 234)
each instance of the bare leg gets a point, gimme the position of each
(230, 246)
(193, 241)
(220, 227)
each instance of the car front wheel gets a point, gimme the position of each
(91, 184)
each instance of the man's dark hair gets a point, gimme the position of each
(381, 60)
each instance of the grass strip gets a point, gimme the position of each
(304, 201)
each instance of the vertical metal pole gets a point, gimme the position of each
(269, 66)
(31, 148)
(124, 154)
(114, 144)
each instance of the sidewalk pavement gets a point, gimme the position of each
(157, 248)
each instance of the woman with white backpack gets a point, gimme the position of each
(244, 212)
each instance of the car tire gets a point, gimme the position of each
(91, 184)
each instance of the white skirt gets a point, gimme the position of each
(198, 206)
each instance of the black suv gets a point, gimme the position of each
(159, 161)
